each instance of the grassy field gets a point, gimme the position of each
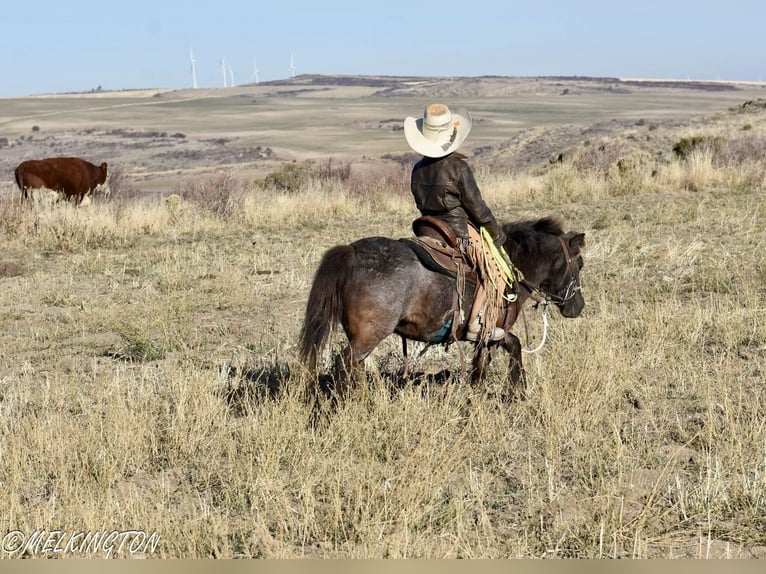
(149, 381)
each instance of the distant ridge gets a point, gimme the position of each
(491, 85)
(448, 86)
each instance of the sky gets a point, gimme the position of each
(80, 45)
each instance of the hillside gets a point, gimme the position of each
(160, 138)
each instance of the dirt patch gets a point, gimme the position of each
(10, 269)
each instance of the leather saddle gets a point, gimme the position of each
(429, 226)
(436, 245)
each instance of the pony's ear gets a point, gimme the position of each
(577, 240)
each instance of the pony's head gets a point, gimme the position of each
(550, 260)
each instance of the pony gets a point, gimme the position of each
(377, 286)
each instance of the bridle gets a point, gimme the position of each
(543, 298)
(573, 285)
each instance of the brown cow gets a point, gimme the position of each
(72, 176)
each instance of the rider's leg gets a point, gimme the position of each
(478, 310)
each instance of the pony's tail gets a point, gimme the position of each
(324, 308)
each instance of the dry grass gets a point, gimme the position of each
(148, 379)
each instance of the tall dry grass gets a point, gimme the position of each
(148, 379)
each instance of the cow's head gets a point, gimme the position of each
(104, 173)
(102, 186)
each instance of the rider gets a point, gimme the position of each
(444, 187)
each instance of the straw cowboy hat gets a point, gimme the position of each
(439, 132)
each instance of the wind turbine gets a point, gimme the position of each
(223, 71)
(292, 65)
(193, 69)
(255, 71)
(231, 77)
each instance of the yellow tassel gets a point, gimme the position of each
(507, 268)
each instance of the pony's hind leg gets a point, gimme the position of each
(342, 373)
(349, 364)
(405, 360)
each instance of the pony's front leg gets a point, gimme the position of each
(517, 378)
(481, 359)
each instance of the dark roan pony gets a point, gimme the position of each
(376, 286)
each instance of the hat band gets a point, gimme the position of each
(440, 126)
(436, 132)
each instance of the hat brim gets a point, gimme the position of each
(413, 132)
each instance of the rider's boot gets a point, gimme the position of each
(474, 329)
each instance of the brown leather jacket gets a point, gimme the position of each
(445, 188)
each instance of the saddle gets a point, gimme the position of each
(436, 246)
(429, 226)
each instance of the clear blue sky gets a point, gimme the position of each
(74, 45)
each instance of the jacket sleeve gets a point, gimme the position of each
(475, 206)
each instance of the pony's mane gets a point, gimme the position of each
(524, 232)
